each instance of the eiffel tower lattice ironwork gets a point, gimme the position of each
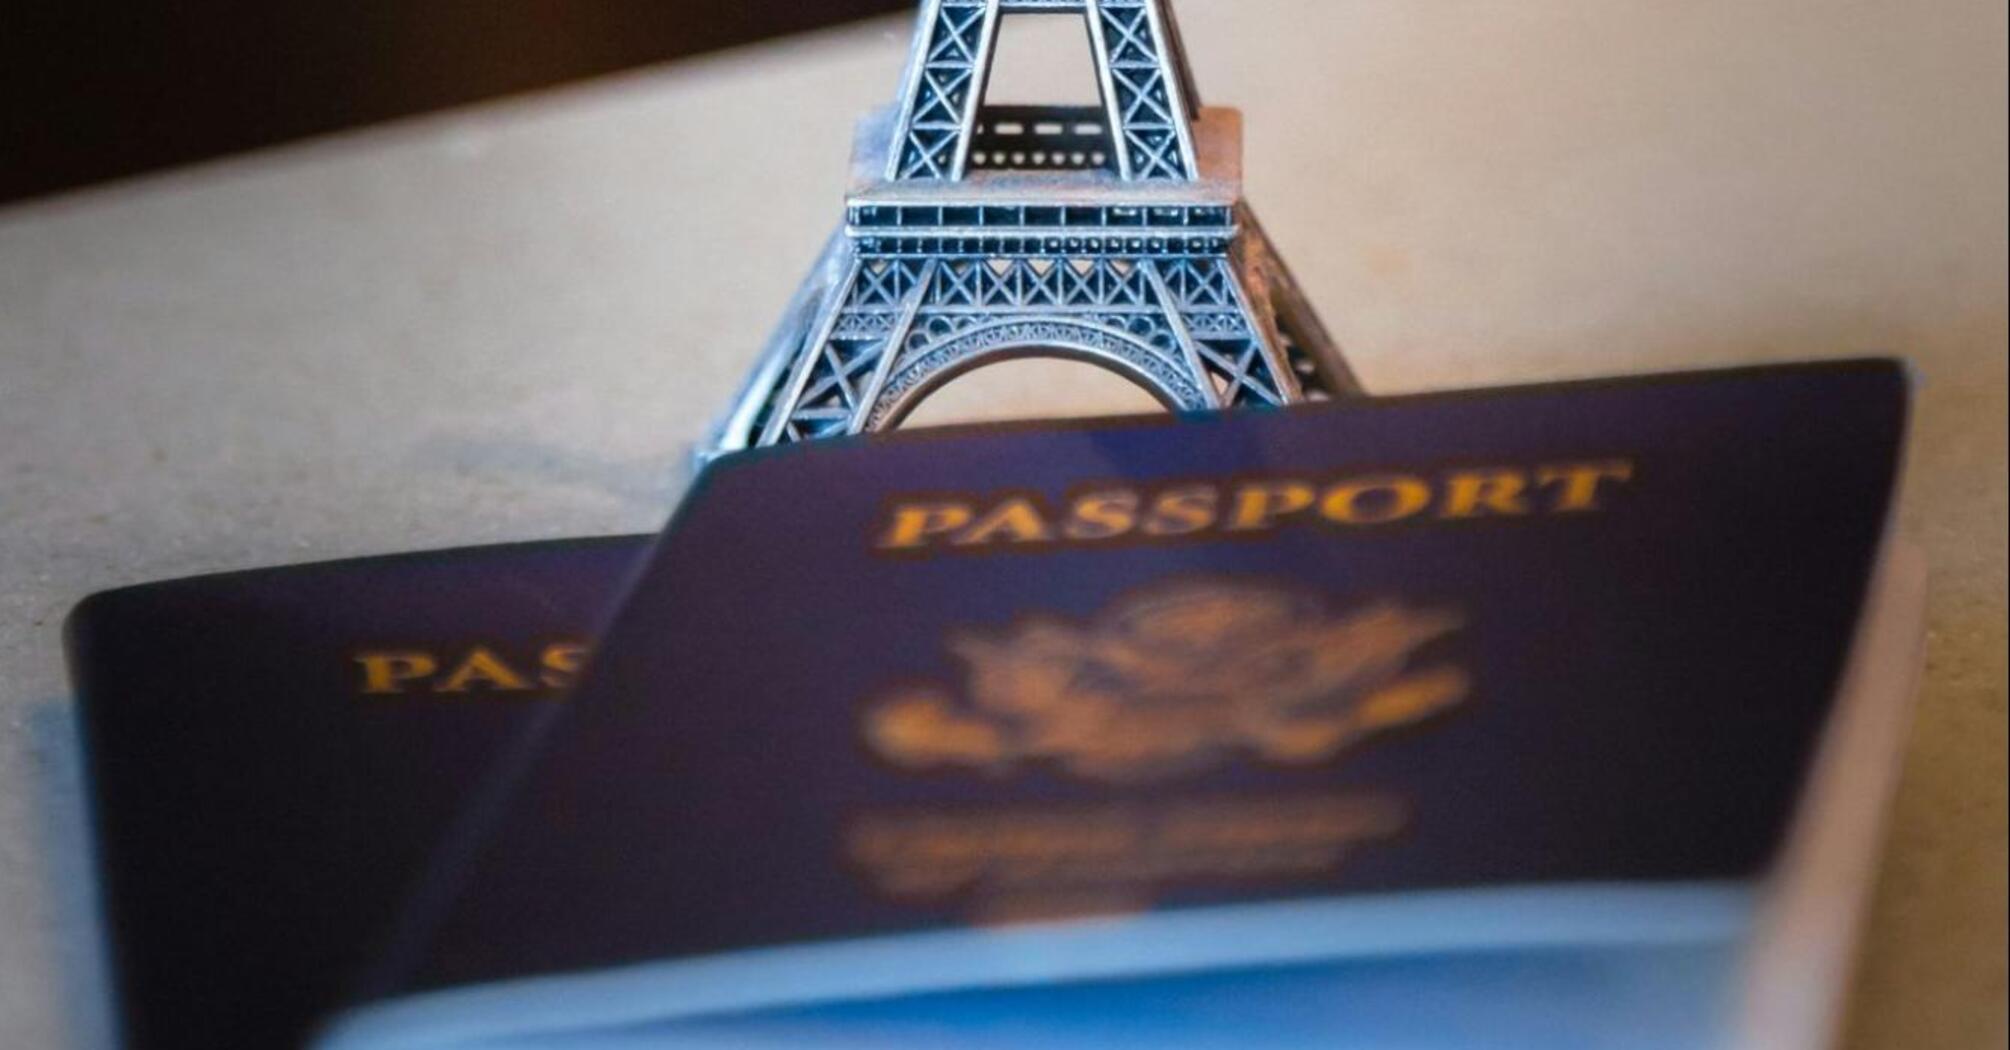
(1113, 234)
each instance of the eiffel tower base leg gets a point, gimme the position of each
(874, 333)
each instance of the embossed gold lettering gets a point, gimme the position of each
(1201, 509)
(387, 674)
(1579, 483)
(1102, 515)
(1376, 501)
(1014, 521)
(1182, 512)
(914, 526)
(1474, 493)
(484, 668)
(561, 663)
(1260, 506)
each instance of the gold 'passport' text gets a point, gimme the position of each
(548, 669)
(1242, 507)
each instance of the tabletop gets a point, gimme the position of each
(515, 321)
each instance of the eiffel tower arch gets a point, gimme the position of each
(1114, 234)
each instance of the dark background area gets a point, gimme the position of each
(97, 89)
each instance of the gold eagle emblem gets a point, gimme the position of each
(1175, 680)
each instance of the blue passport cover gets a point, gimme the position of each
(1570, 644)
(275, 754)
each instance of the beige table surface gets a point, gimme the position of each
(510, 322)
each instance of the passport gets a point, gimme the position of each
(1532, 717)
(274, 756)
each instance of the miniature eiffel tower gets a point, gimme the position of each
(974, 233)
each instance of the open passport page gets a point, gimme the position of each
(1547, 717)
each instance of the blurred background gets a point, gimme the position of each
(294, 281)
(99, 89)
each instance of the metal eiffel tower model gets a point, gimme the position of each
(974, 233)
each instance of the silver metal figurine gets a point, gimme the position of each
(1116, 235)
